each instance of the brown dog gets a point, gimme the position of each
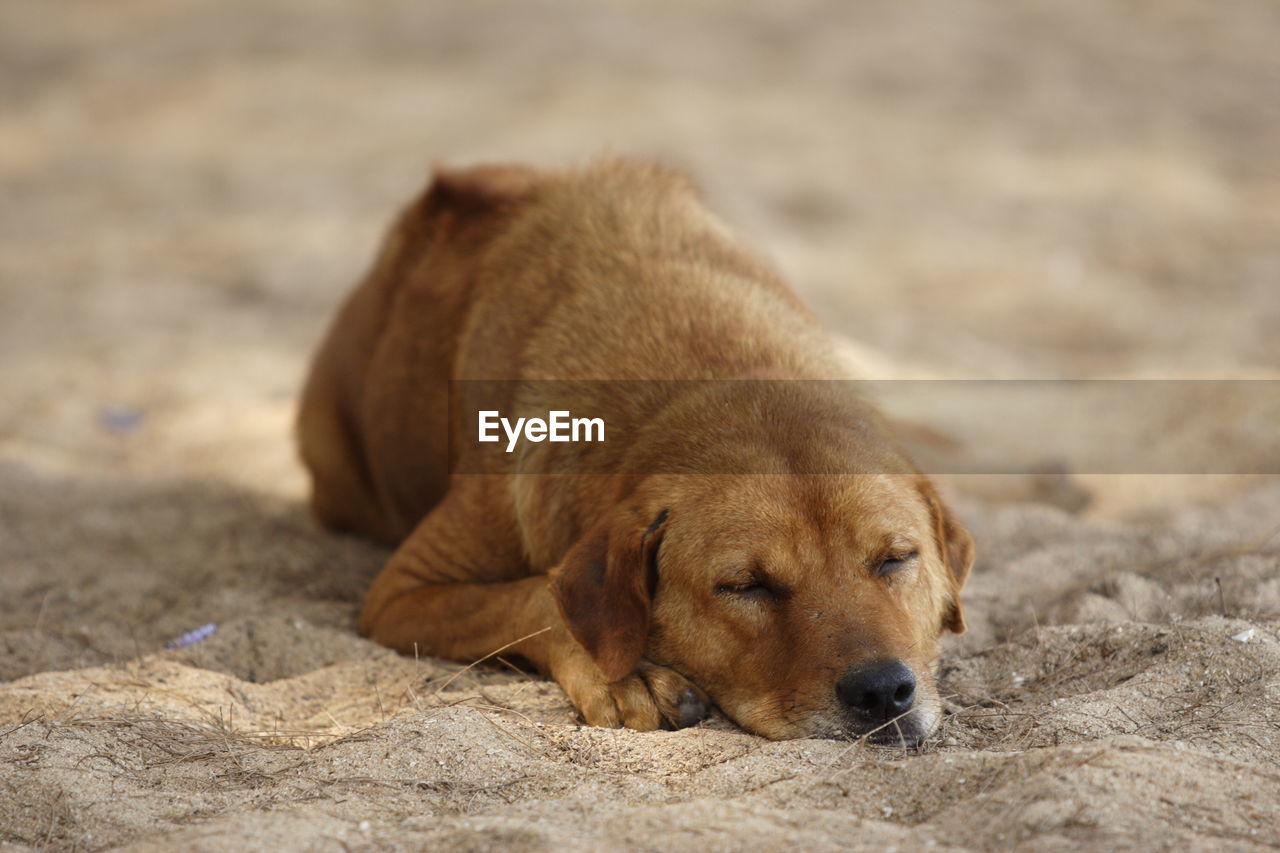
(771, 548)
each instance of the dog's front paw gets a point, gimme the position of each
(680, 703)
(652, 697)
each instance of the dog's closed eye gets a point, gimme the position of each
(755, 586)
(895, 563)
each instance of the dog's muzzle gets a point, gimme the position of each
(878, 698)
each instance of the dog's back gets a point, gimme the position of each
(615, 272)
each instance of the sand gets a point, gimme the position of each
(960, 189)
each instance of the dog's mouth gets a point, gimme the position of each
(837, 721)
(906, 730)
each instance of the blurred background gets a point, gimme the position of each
(961, 188)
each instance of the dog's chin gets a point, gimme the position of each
(906, 731)
(898, 733)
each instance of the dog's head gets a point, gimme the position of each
(803, 605)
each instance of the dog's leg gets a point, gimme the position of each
(453, 593)
(343, 496)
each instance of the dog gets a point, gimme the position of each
(781, 559)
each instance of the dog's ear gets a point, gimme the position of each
(604, 588)
(957, 551)
(479, 190)
(459, 210)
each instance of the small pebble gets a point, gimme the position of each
(1244, 636)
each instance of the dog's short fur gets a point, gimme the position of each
(639, 590)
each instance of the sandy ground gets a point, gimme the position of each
(962, 189)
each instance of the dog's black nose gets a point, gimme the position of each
(880, 690)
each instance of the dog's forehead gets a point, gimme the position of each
(885, 498)
(868, 515)
(866, 512)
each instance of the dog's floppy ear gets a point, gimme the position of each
(957, 550)
(479, 189)
(604, 588)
